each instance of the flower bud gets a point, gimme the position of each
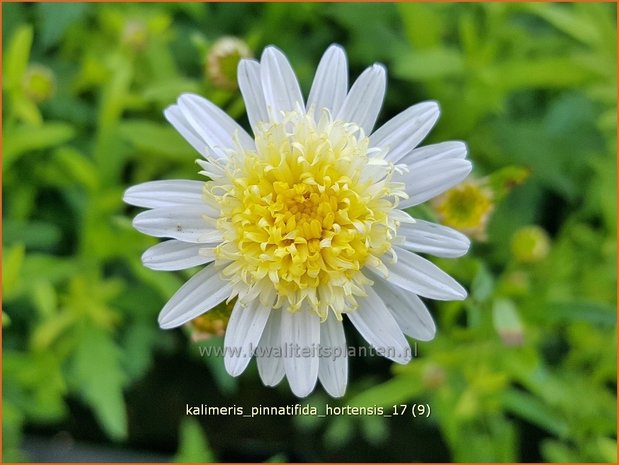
(135, 35)
(433, 376)
(466, 207)
(212, 323)
(222, 60)
(507, 322)
(530, 244)
(39, 83)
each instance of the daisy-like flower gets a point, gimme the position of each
(302, 222)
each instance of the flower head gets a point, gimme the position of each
(303, 223)
(466, 207)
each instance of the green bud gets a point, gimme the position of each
(222, 60)
(39, 83)
(530, 244)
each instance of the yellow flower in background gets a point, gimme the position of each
(466, 207)
(302, 222)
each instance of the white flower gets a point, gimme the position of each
(302, 221)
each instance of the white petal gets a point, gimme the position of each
(300, 342)
(175, 116)
(405, 131)
(280, 85)
(169, 193)
(330, 83)
(243, 333)
(441, 151)
(363, 102)
(251, 88)
(420, 276)
(213, 125)
(430, 178)
(333, 368)
(201, 293)
(268, 354)
(174, 255)
(378, 326)
(187, 224)
(432, 238)
(409, 311)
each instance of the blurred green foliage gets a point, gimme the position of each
(525, 369)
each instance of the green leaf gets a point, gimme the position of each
(138, 344)
(27, 138)
(533, 410)
(483, 283)
(422, 24)
(566, 20)
(156, 139)
(592, 312)
(505, 179)
(27, 111)
(50, 329)
(374, 429)
(97, 375)
(77, 166)
(40, 267)
(547, 72)
(394, 391)
(12, 262)
(55, 18)
(16, 57)
(193, 445)
(507, 321)
(168, 91)
(36, 383)
(339, 432)
(558, 452)
(45, 298)
(34, 234)
(423, 65)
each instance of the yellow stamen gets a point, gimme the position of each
(303, 213)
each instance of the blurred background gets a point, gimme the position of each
(523, 370)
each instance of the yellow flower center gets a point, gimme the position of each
(303, 213)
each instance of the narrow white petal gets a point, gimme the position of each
(176, 118)
(169, 193)
(268, 356)
(187, 224)
(441, 151)
(409, 311)
(215, 127)
(174, 255)
(420, 276)
(363, 102)
(378, 326)
(202, 292)
(300, 342)
(330, 82)
(429, 179)
(243, 333)
(280, 84)
(405, 131)
(251, 88)
(432, 238)
(333, 368)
